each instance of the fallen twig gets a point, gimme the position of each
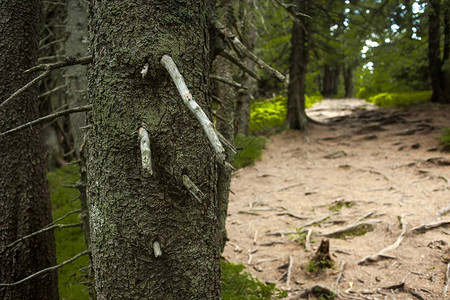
(315, 221)
(289, 271)
(307, 241)
(376, 257)
(46, 270)
(291, 215)
(341, 271)
(447, 280)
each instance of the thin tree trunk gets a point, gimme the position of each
(76, 81)
(299, 59)
(439, 82)
(24, 197)
(348, 81)
(132, 211)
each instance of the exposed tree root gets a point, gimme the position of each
(425, 227)
(319, 290)
(351, 228)
(381, 255)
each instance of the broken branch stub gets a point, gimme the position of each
(207, 125)
(146, 153)
(193, 189)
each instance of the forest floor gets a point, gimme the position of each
(364, 182)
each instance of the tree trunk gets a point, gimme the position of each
(296, 117)
(76, 81)
(225, 125)
(24, 197)
(439, 82)
(330, 80)
(244, 97)
(131, 210)
(348, 81)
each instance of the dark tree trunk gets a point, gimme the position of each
(330, 80)
(130, 209)
(24, 197)
(439, 81)
(348, 81)
(296, 117)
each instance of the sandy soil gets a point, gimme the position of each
(380, 167)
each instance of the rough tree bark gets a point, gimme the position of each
(76, 81)
(132, 211)
(439, 81)
(296, 117)
(24, 197)
(330, 80)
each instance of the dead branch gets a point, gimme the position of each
(245, 52)
(49, 118)
(380, 255)
(291, 215)
(68, 61)
(225, 54)
(424, 227)
(45, 229)
(25, 87)
(289, 186)
(447, 280)
(227, 81)
(52, 91)
(46, 270)
(289, 271)
(66, 215)
(315, 221)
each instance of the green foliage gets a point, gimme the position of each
(238, 285)
(400, 99)
(340, 204)
(270, 114)
(250, 148)
(69, 241)
(319, 266)
(445, 138)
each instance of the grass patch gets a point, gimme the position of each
(69, 241)
(445, 138)
(399, 99)
(319, 266)
(238, 285)
(250, 148)
(340, 204)
(267, 115)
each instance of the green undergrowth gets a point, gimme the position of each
(445, 138)
(399, 99)
(250, 148)
(318, 266)
(69, 241)
(239, 285)
(269, 115)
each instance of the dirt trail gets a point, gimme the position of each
(376, 166)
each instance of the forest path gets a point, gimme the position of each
(379, 168)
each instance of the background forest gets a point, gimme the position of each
(388, 52)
